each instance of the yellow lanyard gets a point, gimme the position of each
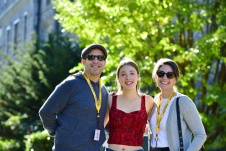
(158, 120)
(97, 102)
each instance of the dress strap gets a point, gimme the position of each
(114, 100)
(143, 103)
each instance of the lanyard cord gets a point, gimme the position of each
(97, 102)
(158, 119)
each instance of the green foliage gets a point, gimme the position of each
(9, 145)
(38, 141)
(19, 102)
(27, 79)
(192, 33)
(59, 55)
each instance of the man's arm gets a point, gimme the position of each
(106, 119)
(53, 106)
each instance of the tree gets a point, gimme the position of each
(193, 33)
(26, 81)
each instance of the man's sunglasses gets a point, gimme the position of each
(99, 57)
(169, 75)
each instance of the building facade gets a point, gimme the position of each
(20, 19)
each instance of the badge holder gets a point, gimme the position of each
(97, 134)
(155, 148)
(97, 130)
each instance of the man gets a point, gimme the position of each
(70, 114)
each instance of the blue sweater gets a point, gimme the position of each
(69, 114)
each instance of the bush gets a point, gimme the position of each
(38, 141)
(26, 81)
(9, 145)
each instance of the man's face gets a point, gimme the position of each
(94, 67)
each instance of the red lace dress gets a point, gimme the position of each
(127, 128)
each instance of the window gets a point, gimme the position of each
(0, 40)
(47, 2)
(57, 26)
(1, 50)
(7, 39)
(16, 32)
(25, 25)
(0, 33)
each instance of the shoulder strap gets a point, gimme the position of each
(179, 126)
(143, 102)
(114, 98)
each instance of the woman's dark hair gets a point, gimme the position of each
(166, 61)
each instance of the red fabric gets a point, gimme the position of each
(127, 128)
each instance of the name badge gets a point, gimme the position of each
(97, 134)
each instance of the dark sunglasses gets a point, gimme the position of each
(99, 57)
(169, 75)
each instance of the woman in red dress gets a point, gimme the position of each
(128, 110)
